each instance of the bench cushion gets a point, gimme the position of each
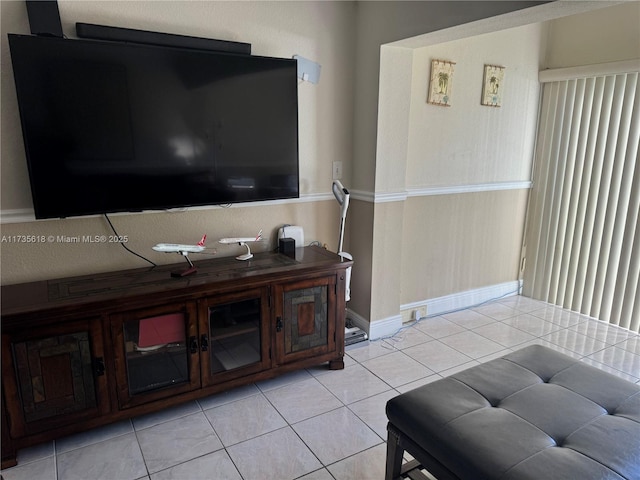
(535, 413)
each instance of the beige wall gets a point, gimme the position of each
(321, 31)
(387, 270)
(54, 258)
(360, 233)
(455, 243)
(608, 35)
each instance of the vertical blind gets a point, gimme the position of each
(583, 239)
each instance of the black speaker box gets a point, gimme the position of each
(130, 35)
(287, 246)
(44, 17)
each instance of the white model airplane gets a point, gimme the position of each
(242, 241)
(183, 250)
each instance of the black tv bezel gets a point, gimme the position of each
(152, 208)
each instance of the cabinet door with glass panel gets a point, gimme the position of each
(234, 329)
(156, 352)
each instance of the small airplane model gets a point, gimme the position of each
(183, 250)
(243, 241)
(179, 248)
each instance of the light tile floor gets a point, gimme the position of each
(317, 424)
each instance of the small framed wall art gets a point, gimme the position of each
(440, 83)
(492, 86)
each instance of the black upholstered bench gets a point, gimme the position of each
(532, 414)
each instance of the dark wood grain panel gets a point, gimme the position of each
(306, 318)
(54, 379)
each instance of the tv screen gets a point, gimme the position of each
(119, 127)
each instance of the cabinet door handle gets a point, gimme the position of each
(204, 343)
(193, 345)
(98, 366)
(278, 324)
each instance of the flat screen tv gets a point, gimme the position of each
(122, 127)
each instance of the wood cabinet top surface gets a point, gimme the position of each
(120, 286)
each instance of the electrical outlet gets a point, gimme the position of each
(337, 170)
(419, 313)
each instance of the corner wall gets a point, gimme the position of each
(452, 182)
(383, 80)
(469, 167)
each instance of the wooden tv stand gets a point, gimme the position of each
(85, 351)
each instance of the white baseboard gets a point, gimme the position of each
(379, 328)
(385, 327)
(469, 298)
(435, 306)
